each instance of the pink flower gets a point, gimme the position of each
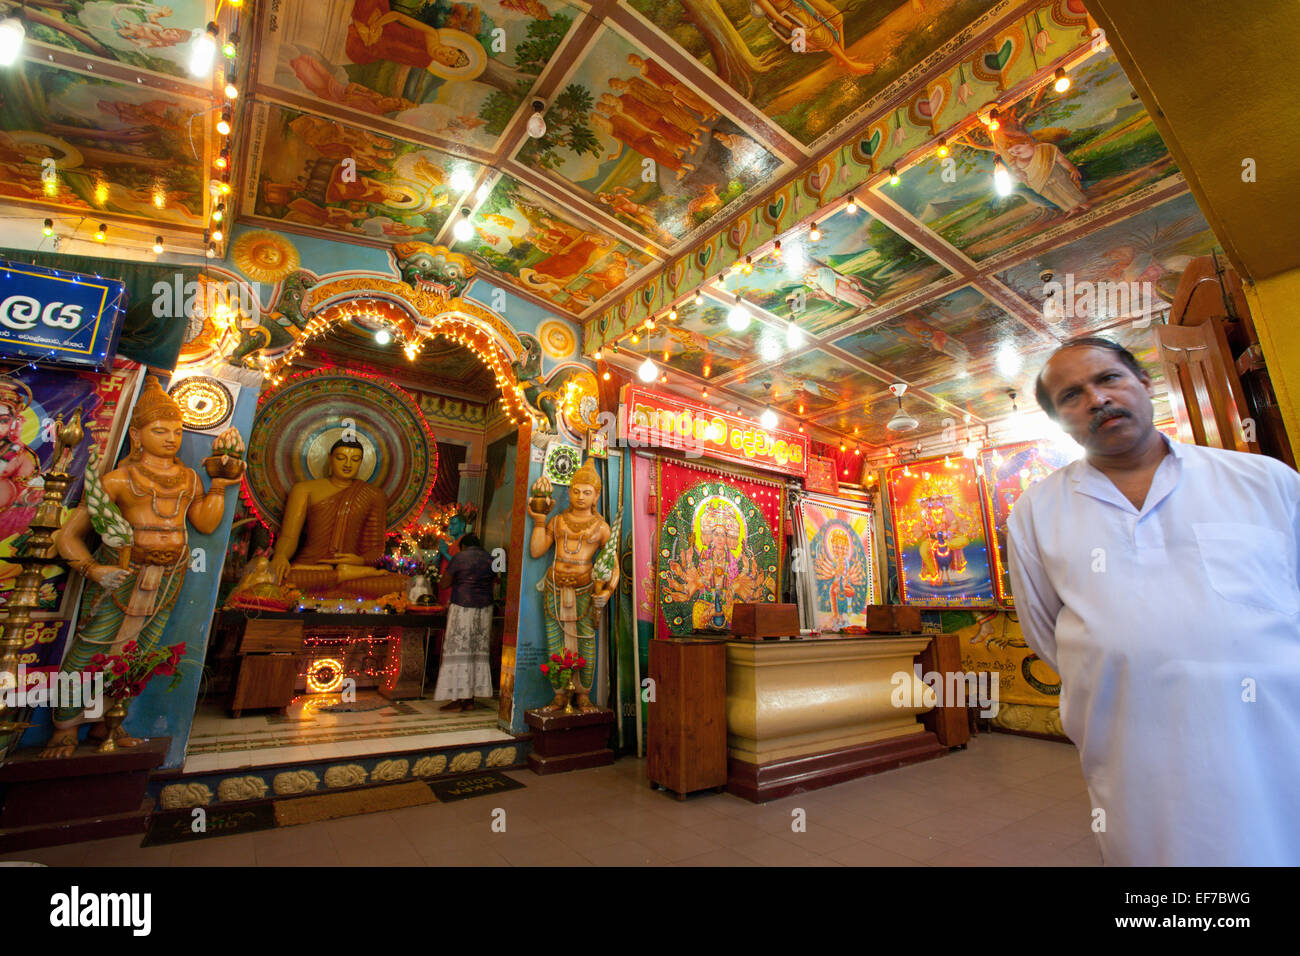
(900, 134)
(545, 669)
(963, 92)
(1041, 40)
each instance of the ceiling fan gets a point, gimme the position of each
(901, 422)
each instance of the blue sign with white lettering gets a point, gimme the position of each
(57, 317)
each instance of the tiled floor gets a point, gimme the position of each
(221, 742)
(1005, 800)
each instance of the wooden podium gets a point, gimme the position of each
(688, 715)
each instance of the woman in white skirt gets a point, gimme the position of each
(464, 672)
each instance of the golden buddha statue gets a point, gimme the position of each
(333, 533)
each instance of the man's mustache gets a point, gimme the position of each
(1103, 415)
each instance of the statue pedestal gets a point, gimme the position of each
(563, 742)
(88, 796)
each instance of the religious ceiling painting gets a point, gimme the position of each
(864, 419)
(939, 535)
(719, 542)
(457, 72)
(985, 393)
(1066, 153)
(529, 239)
(938, 340)
(114, 147)
(1129, 269)
(700, 343)
(808, 65)
(638, 141)
(1009, 470)
(391, 189)
(807, 384)
(839, 573)
(856, 266)
(144, 34)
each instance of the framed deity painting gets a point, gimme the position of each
(835, 566)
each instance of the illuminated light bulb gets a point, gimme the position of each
(704, 393)
(971, 450)
(157, 245)
(605, 376)
(230, 48)
(993, 120)
(749, 265)
(663, 377)
(212, 254)
(648, 370)
(650, 324)
(49, 227)
(857, 451)
(776, 249)
(893, 175)
(217, 235)
(769, 349)
(842, 446)
(768, 418)
(203, 50)
(12, 33)
(1062, 82)
(461, 179)
(942, 151)
(463, 229)
(100, 232)
(635, 338)
(672, 315)
(699, 299)
(1002, 184)
(383, 337)
(801, 428)
(851, 207)
(1009, 360)
(537, 122)
(793, 336)
(596, 355)
(224, 187)
(223, 124)
(231, 90)
(219, 213)
(223, 159)
(738, 317)
(814, 234)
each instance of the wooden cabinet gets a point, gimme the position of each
(269, 660)
(688, 715)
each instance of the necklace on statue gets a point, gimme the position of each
(165, 481)
(153, 496)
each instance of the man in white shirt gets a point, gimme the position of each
(1160, 581)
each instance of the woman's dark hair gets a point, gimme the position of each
(469, 540)
(346, 443)
(1091, 341)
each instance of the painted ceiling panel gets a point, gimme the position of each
(1065, 152)
(456, 72)
(1096, 272)
(634, 138)
(535, 244)
(115, 147)
(858, 265)
(699, 343)
(809, 64)
(939, 339)
(150, 36)
(397, 190)
(808, 384)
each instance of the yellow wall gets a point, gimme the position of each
(1275, 309)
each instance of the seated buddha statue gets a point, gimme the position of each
(333, 533)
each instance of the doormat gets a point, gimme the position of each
(328, 806)
(476, 786)
(181, 826)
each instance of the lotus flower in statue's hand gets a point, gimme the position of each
(227, 458)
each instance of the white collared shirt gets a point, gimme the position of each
(1176, 631)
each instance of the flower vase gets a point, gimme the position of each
(113, 717)
(570, 688)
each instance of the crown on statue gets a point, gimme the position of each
(154, 405)
(586, 475)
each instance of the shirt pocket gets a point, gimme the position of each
(1249, 564)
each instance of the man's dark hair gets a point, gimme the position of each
(469, 540)
(346, 443)
(1092, 341)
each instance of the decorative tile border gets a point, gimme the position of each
(175, 791)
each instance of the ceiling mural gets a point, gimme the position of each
(808, 384)
(1130, 267)
(150, 36)
(857, 265)
(1065, 154)
(456, 72)
(636, 139)
(392, 189)
(533, 242)
(939, 339)
(699, 342)
(110, 147)
(809, 64)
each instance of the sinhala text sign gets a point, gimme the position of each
(59, 317)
